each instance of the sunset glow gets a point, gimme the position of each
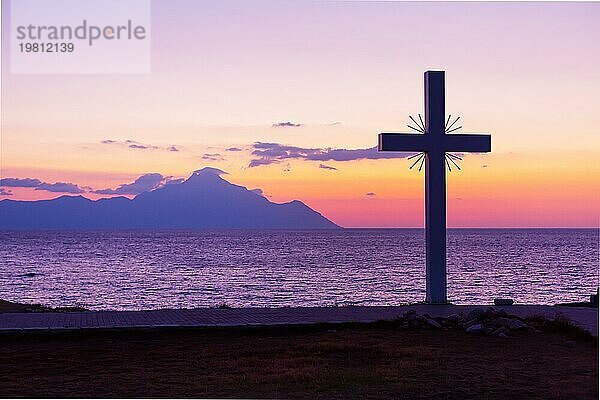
(331, 79)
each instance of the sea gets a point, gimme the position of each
(133, 270)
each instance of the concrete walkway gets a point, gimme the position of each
(234, 317)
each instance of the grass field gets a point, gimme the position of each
(349, 361)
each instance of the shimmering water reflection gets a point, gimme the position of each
(127, 270)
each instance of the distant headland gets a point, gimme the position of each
(203, 201)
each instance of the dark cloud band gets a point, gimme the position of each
(286, 124)
(58, 187)
(271, 153)
(144, 183)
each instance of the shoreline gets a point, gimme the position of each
(17, 307)
(44, 318)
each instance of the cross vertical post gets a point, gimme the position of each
(435, 142)
(435, 189)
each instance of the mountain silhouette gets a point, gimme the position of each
(204, 201)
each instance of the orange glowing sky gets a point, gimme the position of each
(525, 72)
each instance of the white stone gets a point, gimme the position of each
(474, 328)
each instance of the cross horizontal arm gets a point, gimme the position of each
(403, 142)
(468, 143)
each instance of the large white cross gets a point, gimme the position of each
(435, 143)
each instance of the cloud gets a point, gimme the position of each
(213, 157)
(259, 162)
(170, 181)
(323, 166)
(233, 149)
(58, 187)
(144, 183)
(20, 182)
(261, 193)
(271, 153)
(210, 171)
(286, 124)
(484, 166)
(132, 144)
(371, 194)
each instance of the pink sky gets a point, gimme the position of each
(223, 73)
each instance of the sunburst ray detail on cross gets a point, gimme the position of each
(451, 159)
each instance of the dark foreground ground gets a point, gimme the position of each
(351, 361)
